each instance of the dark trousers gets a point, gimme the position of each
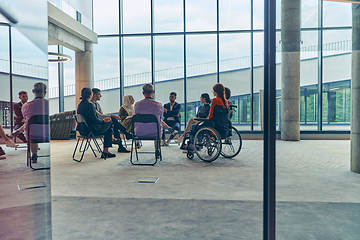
(21, 135)
(108, 137)
(118, 127)
(196, 127)
(172, 124)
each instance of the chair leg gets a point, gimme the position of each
(28, 155)
(132, 148)
(82, 152)
(89, 145)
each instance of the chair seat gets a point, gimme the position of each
(86, 136)
(145, 138)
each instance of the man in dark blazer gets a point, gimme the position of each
(96, 125)
(19, 118)
(172, 114)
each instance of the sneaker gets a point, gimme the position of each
(10, 143)
(34, 158)
(179, 140)
(123, 149)
(107, 155)
(173, 132)
(167, 141)
(2, 157)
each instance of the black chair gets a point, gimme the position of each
(145, 119)
(86, 134)
(40, 123)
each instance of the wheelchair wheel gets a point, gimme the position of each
(231, 145)
(207, 144)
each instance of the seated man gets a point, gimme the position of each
(171, 115)
(98, 126)
(38, 106)
(114, 118)
(148, 106)
(19, 118)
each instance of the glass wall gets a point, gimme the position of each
(206, 49)
(21, 204)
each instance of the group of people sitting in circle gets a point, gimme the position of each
(168, 116)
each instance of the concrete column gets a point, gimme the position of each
(290, 70)
(83, 70)
(355, 91)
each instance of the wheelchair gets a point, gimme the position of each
(213, 138)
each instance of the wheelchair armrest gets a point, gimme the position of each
(202, 119)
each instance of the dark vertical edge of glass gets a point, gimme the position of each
(269, 118)
(217, 41)
(152, 42)
(121, 52)
(11, 83)
(92, 15)
(185, 78)
(305, 107)
(61, 81)
(252, 64)
(320, 62)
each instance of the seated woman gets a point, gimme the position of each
(219, 99)
(97, 126)
(126, 111)
(202, 112)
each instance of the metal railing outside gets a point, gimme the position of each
(208, 68)
(24, 69)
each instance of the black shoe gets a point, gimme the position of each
(116, 141)
(2, 152)
(123, 149)
(34, 158)
(107, 155)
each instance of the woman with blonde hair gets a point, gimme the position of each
(126, 111)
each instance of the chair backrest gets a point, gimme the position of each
(222, 121)
(82, 126)
(144, 119)
(38, 129)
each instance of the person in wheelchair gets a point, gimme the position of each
(202, 112)
(219, 116)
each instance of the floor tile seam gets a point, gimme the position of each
(293, 201)
(213, 200)
(168, 199)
